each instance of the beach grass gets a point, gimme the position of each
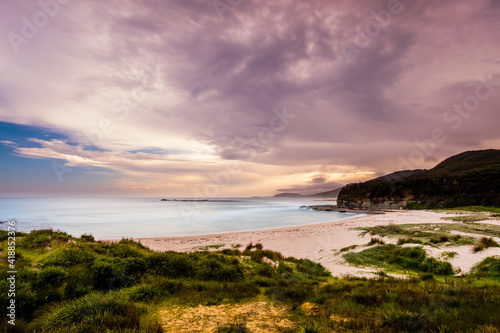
(476, 209)
(82, 285)
(437, 234)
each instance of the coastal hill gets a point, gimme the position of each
(327, 194)
(466, 179)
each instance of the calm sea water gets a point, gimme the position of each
(149, 217)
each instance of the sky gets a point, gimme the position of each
(202, 98)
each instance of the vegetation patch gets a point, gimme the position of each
(209, 247)
(467, 218)
(407, 258)
(476, 209)
(83, 285)
(489, 267)
(434, 234)
(485, 243)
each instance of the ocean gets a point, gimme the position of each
(107, 218)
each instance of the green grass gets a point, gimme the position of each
(467, 218)
(348, 248)
(402, 258)
(95, 312)
(489, 267)
(82, 285)
(476, 209)
(434, 234)
(210, 247)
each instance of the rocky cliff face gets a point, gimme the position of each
(370, 204)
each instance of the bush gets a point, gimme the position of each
(437, 267)
(156, 288)
(310, 268)
(293, 291)
(439, 239)
(213, 269)
(52, 276)
(87, 238)
(94, 313)
(265, 270)
(79, 283)
(123, 250)
(484, 243)
(42, 238)
(376, 240)
(366, 297)
(69, 257)
(171, 264)
(489, 267)
(404, 257)
(409, 240)
(284, 268)
(108, 274)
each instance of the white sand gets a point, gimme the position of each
(321, 242)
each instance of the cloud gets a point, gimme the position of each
(171, 76)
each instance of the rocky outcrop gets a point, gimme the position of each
(371, 204)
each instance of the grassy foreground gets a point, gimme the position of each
(67, 284)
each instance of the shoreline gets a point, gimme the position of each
(319, 242)
(360, 214)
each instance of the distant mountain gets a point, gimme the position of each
(469, 178)
(288, 195)
(327, 194)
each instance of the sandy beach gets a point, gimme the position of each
(321, 242)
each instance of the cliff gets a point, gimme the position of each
(467, 179)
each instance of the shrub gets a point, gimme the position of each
(171, 264)
(265, 270)
(258, 246)
(78, 284)
(376, 240)
(42, 238)
(439, 239)
(404, 257)
(308, 267)
(409, 240)
(284, 268)
(69, 257)
(108, 274)
(87, 238)
(123, 250)
(132, 243)
(293, 291)
(94, 313)
(157, 288)
(484, 243)
(366, 297)
(134, 265)
(51, 276)
(434, 266)
(213, 269)
(488, 267)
